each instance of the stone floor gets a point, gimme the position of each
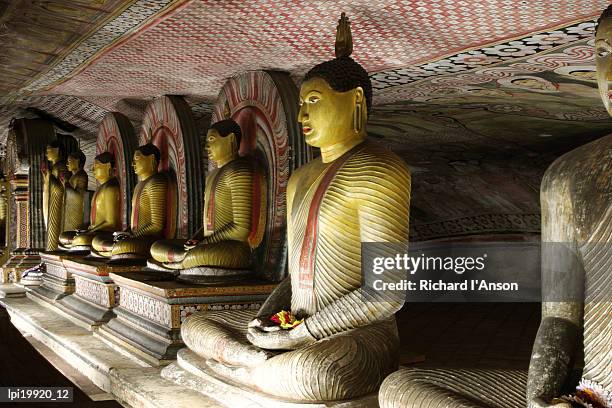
(22, 365)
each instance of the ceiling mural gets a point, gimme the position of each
(478, 97)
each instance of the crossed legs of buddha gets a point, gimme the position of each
(342, 366)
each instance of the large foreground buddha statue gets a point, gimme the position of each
(75, 190)
(148, 218)
(54, 178)
(105, 215)
(576, 200)
(234, 211)
(354, 192)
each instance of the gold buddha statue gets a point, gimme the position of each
(234, 213)
(148, 218)
(53, 193)
(105, 215)
(576, 201)
(75, 191)
(354, 192)
(3, 211)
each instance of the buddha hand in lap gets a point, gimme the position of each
(105, 207)
(148, 218)
(234, 209)
(355, 192)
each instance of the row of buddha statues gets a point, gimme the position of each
(342, 343)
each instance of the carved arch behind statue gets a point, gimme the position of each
(116, 135)
(168, 123)
(265, 105)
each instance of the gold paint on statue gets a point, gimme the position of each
(148, 218)
(75, 191)
(53, 195)
(105, 212)
(228, 211)
(355, 192)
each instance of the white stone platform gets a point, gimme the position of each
(130, 381)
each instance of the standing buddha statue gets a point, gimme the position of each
(576, 201)
(53, 193)
(343, 341)
(234, 213)
(75, 192)
(105, 215)
(148, 218)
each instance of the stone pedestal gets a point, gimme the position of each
(192, 371)
(18, 262)
(95, 295)
(153, 305)
(57, 282)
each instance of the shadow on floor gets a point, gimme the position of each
(22, 365)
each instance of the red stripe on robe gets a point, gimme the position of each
(309, 244)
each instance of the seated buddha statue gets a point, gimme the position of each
(234, 211)
(75, 189)
(576, 205)
(3, 211)
(53, 193)
(148, 218)
(105, 213)
(344, 341)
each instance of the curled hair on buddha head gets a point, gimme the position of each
(80, 156)
(342, 73)
(55, 144)
(106, 157)
(607, 13)
(149, 149)
(227, 126)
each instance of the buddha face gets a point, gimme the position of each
(603, 49)
(52, 154)
(220, 148)
(144, 165)
(73, 164)
(101, 171)
(327, 116)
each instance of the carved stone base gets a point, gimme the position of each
(95, 295)
(207, 275)
(153, 305)
(57, 282)
(17, 263)
(191, 371)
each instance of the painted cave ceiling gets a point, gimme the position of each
(477, 96)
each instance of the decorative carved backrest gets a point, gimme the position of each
(168, 123)
(116, 135)
(265, 105)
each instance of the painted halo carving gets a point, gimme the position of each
(116, 135)
(168, 123)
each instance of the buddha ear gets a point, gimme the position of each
(233, 141)
(359, 94)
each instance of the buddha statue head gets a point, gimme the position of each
(146, 159)
(603, 56)
(75, 161)
(54, 152)
(104, 164)
(335, 98)
(223, 141)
